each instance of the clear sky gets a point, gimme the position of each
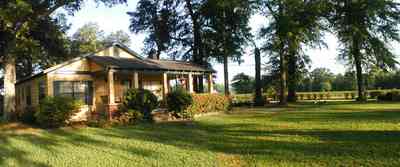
(113, 19)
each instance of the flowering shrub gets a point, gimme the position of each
(205, 103)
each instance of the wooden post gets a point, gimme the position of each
(210, 83)
(135, 80)
(190, 78)
(111, 95)
(111, 106)
(165, 85)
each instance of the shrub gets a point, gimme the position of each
(375, 94)
(347, 95)
(130, 117)
(353, 95)
(390, 96)
(178, 101)
(309, 96)
(140, 100)
(321, 96)
(328, 96)
(300, 96)
(204, 103)
(27, 116)
(314, 96)
(54, 112)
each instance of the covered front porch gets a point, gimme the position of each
(110, 86)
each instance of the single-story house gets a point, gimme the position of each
(100, 79)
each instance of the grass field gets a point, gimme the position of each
(334, 134)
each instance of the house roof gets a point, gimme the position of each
(147, 64)
(137, 63)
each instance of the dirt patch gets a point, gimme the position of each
(18, 128)
(230, 160)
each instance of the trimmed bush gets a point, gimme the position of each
(353, 95)
(140, 100)
(309, 96)
(205, 103)
(390, 96)
(300, 96)
(178, 101)
(347, 95)
(321, 96)
(375, 94)
(55, 112)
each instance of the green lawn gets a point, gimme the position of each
(299, 135)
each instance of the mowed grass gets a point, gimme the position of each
(334, 134)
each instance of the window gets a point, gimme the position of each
(42, 90)
(78, 90)
(28, 95)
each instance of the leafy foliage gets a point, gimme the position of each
(54, 112)
(179, 100)
(390, 96)
(205, 103)
(364, 29)
(129, 117)
(90, 38)
(243, 83)
(140, 100)
(293, 24)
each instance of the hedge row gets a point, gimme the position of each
(337, 95)
(205, 103)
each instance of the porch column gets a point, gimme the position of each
(135, 80)
(165, 84)
(210, 83)
(111, 106)
(190, 78)
(110, 79)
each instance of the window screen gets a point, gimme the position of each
(42, 90)
(78, 90)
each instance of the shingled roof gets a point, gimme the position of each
(147, 64)
(137, 62)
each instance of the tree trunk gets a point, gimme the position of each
(9, 87)
(283, 77)
(258, 100)
(226, 76)
(292, 79)
(198, 56)
(360, 77)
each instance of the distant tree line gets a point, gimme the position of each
(322, 80)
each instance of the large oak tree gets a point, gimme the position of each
(18, 22)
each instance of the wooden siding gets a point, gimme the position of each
(115, 51)
(21, 93)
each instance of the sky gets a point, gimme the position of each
(115, 18)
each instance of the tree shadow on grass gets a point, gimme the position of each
(228, 139)
(348, 116)
(18, 144)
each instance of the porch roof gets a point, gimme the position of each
(147, 64)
